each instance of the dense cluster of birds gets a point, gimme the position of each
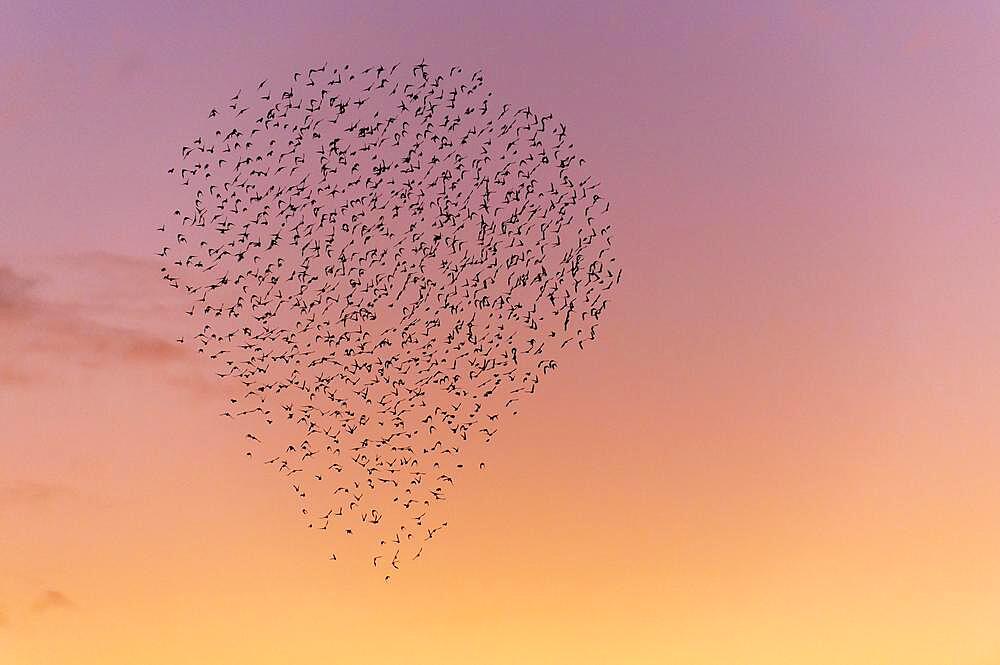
(387, 261)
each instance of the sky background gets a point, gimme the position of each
(784, 447)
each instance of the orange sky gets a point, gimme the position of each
(782, 449)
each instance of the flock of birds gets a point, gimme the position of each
(385, 262)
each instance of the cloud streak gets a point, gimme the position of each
(88, 330)
(53, 600)
(14, 292)
(29, 494)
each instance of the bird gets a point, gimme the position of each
(388, 261)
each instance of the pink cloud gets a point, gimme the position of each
(87, 333)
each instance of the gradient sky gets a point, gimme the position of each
(784, 448)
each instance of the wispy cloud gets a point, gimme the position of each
(14, 292)
(29, 494)
(52, 600)
(12, 376)
(92, 343)
(99, 315)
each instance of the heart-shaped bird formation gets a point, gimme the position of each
(387, 261)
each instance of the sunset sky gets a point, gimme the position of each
(783, 448)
